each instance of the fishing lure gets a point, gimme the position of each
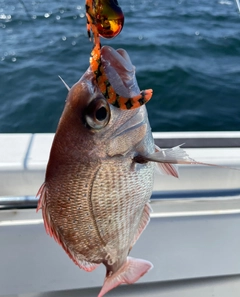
(105, 18)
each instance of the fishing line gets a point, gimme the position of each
(238, 5)
(25, 8)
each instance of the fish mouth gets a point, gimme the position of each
(120, 71)
(121, 74)
(126, 128)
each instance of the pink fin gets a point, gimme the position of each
(143, 222)
(166, 168)
(87, 266)
(129, 273)
(177, 155)
(41, 194)
(51, 230)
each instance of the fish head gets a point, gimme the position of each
(90, 126)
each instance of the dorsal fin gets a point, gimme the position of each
(65, 84)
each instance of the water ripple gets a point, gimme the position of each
(187, 51)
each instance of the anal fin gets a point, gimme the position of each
(143, 223)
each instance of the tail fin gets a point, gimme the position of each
(129, 273)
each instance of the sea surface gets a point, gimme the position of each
(187, 51)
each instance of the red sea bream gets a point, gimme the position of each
(99, 178)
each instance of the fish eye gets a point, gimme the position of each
(101, 114)
(97, 114)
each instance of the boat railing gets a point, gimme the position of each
(193, 238)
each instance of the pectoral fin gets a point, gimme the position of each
(166, 168)
(175, 155)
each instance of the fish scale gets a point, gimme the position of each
(124, 204)
(78, 209)
(92, 203)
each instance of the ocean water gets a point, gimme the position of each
(187, 51)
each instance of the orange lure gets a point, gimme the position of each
(105, 18)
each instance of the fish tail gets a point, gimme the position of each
(129, 273)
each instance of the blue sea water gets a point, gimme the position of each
(187, 51)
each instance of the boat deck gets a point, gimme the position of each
(193, 238)
(209, 287)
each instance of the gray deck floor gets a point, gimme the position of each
(209, 287)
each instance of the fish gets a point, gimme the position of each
(105, 19)
(99, 177)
